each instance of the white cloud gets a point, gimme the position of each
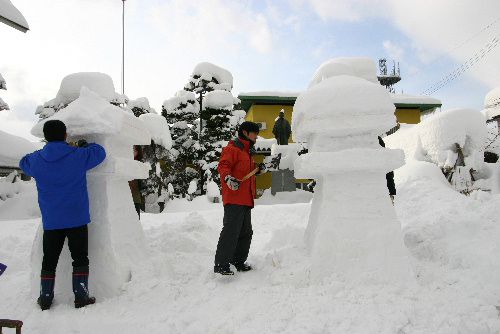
(395, 52)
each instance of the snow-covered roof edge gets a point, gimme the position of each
(11, 16)
(414, 99)
(271, 93)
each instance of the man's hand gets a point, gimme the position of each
(82, 143)
(232, 182)
(262, 168)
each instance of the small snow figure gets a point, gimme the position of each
(237, 171)
(353, 231)
(193, 186)
(60, 174)
(2, 268)
(282, 129)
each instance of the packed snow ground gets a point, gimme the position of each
(453, 241)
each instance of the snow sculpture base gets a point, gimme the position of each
(353, 231)
(116, 240)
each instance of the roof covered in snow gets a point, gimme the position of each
(13, 148)
(415, 101)
(11, 16)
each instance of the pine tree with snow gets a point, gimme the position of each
(140, 106)
(181, 113)
(157, 154)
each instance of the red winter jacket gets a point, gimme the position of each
(237, 161)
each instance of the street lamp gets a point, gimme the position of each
(123, 46)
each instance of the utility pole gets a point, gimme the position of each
(123, 46)
(200, 139)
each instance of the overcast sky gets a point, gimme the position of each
(267, 45)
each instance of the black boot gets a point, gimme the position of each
(242, 266)
(47, 282)
(81, 287)
(223, 270)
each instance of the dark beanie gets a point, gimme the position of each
(248, 127)
(54, 130)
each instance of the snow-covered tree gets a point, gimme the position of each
(99, 83)
(181, 113)
(217, 130)
(157, 155)
(3, 85)
(140, 106)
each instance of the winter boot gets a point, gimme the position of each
(223, 270)
(81, 287)
(47, 282)
(242, 266)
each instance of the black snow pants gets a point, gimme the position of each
(236, 235)
(53, 242)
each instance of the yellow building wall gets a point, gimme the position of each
(408, 116)
(268, 114)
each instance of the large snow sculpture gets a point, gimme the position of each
(353, 230)
(116, 240)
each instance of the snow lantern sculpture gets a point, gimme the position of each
(353, 230)
(116, 240)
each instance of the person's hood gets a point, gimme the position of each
(56, 150)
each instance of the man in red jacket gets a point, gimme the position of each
(238, 195)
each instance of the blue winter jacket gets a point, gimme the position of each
(60, 172)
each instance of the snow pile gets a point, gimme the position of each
(435, 138)
(357, 67)
(208, 72)
(264, 144)
(13, 148)
(353, 231)
(352, 103)
(158, 128)
(492, 103)
(180, 103)
(9, 186)
(289, 153)
(88, 114)
(11, 13)
(219, 99)
(213, 191)
(141, 103)
(71, 86)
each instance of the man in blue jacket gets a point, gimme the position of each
(60, 174)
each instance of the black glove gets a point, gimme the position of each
(232, 182)
(82, 143)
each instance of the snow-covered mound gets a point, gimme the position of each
(141, 103)
(357, 67)
(219, 99)
(435, 137)
(183, 101)
(18, 199)
(87, 114)
(208, 71)
(158, 128)
(342, 105)
(13, 148)
(492, 103)
(71, 85)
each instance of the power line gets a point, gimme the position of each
(464, 67)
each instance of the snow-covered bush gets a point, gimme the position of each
(454, 140)
(140, 106)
